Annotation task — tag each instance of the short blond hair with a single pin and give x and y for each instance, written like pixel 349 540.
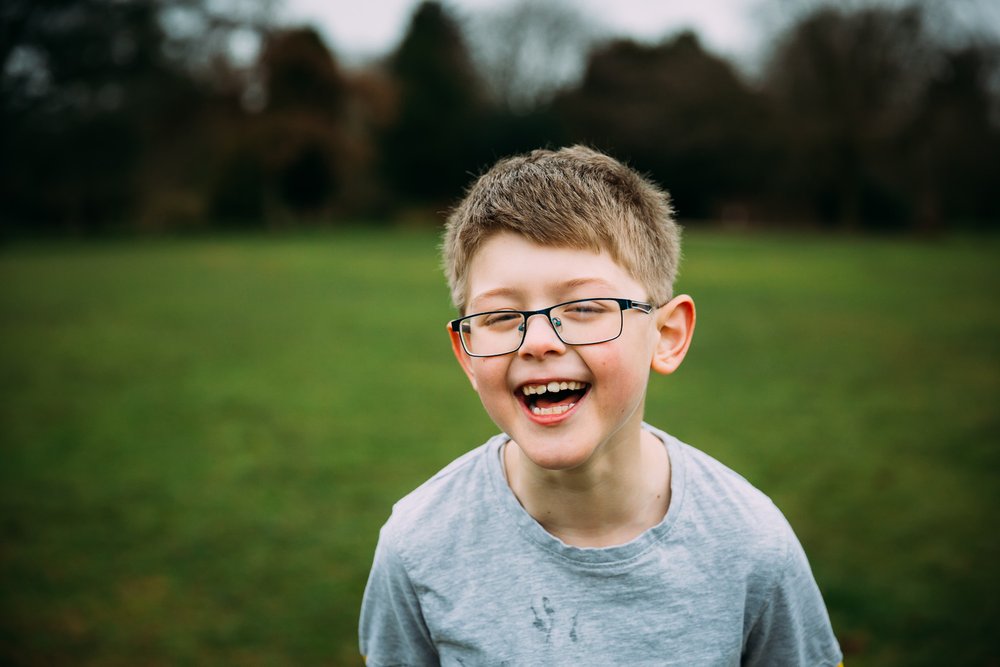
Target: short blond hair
pixel 575 197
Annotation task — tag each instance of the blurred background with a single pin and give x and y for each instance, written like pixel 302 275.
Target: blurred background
pixel 159 116
pixel 222 316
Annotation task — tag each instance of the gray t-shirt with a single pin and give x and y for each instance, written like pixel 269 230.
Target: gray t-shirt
pixel 464 576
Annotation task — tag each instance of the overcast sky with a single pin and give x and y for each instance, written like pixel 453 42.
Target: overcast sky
pixel 360 29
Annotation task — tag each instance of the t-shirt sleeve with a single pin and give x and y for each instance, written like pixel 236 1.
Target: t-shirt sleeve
pixel 793 627
pixel 392 629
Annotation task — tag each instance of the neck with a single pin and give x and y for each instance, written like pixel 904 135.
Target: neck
pixel 608 501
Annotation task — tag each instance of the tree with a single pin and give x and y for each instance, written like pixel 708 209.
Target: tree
pixel 305 153
pixel 675 111
pixel 953 154
pixel 886 122
pixel 434 143
pixel 526 51
pixel 299 72
pixel 90 92
pixel 844 86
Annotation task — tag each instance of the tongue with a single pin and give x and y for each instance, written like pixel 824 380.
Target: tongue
pixel 549 400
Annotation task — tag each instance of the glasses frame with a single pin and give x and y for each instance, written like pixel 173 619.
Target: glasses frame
pixel 623 305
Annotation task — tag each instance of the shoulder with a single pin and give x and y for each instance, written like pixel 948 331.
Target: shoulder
pixel 729 517
pixel 444 509
pixel 739 533
pixel 725 494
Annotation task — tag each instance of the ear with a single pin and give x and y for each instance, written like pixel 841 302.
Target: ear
pixel 464 360
pixel 675 321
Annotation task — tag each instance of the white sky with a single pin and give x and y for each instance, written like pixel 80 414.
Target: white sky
pixel 360 29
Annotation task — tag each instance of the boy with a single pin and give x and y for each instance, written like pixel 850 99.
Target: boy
pixel 581 535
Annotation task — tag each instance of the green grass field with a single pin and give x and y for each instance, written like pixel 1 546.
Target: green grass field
pixel 201 438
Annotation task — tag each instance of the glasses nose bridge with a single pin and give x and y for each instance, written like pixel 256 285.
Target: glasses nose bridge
pixel 546 313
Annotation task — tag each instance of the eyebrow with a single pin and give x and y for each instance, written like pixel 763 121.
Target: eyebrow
pixel 584 282
pixel 489 294
pixel 562 287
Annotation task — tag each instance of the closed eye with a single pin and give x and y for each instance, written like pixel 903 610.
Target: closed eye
pixel 584 310
pixel 499 320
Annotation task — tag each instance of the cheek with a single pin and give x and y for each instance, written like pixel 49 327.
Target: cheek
pixel 623 377
pixel 490 373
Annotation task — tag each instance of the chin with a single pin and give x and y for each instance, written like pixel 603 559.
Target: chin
pixel 554 456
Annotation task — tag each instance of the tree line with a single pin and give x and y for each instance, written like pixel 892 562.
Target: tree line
pixel 138 115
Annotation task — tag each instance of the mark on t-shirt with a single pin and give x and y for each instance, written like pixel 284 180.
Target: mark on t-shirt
pixel 545 620
pixel 544 625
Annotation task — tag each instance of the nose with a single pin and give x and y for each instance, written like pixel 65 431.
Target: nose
pixel 540 338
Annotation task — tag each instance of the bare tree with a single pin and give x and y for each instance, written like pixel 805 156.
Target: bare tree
pixel 528 50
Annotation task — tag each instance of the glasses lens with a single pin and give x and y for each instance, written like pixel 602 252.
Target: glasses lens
pixel 492 333
pixel 586 322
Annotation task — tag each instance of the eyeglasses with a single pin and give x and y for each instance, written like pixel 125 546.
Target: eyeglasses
pixel 579 322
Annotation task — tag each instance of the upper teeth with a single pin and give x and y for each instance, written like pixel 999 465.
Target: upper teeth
pixel 529 389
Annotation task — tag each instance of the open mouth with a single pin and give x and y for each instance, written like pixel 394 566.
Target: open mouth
pixel 552 398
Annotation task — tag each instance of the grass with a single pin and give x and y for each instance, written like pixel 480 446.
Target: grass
pixel 200 439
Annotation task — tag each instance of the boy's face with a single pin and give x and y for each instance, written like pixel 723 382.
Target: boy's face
pixel 605 410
